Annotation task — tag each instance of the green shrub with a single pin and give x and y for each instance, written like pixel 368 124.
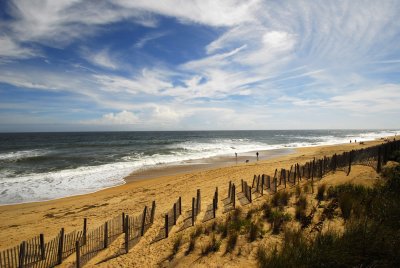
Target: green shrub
pixel 331 192
pixel 278 219
pixel 321 192
pixel 302 202
pixel 254 231
pixel 300 213
pixel 345 204
pixel 266 208
pixel 231 242
pixel 301 207
pixel 280 199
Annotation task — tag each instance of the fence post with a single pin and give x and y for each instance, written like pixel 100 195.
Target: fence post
pixel 295 174
pixel 166 225
pixel 242 185
pixel 143 220
pixel 250 194
pixel 234 194
pixel 262 184
pixel 180 205
pixel 78 254
pixel 276 186
pixel 84 230
pixel 193 208
pixel 350 156
pixel 106 234
pixel 174 210
pixel 198 202
pixel 254 179
pixel 126 234
pixel 284 177
pixel 22 254
pixel 214 206
pixel 153 210
pixel 60 246
pixel 229 189
pixel 42 248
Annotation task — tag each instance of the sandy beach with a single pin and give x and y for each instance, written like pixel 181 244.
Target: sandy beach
pixel 164 185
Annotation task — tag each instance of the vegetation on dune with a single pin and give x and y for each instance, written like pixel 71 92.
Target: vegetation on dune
pixel 280 199
pixel 321 192
pixel 371 236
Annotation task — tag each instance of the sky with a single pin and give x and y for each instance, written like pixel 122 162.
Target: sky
pixel 121 65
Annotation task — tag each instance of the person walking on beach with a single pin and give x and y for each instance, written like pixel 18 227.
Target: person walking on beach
pixel 257 156
pixel 236 157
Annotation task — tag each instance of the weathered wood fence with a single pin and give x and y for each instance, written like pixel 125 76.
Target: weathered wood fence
pixel 212 208
pixel 170 219
pixel 133 227
pixel 230 201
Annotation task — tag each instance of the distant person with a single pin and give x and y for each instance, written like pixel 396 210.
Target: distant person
pixel 355 141
pixel 257 156
pixel 236 157
pixel 350 141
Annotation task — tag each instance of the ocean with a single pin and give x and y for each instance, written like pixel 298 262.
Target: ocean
pixel 44 166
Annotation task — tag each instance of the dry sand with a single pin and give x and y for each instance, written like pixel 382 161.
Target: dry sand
pixel 23 221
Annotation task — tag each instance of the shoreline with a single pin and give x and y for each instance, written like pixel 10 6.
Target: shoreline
pixel 195 165
pixel 22 221
pixel 205 164
pixel 131 173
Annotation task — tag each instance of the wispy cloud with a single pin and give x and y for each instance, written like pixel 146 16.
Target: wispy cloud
pixel 149 37
pixel 100 58
pixel 10 49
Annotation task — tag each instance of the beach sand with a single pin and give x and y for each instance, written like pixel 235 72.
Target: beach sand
pixel 23 221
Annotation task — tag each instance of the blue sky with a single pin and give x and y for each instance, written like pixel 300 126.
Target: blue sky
pixel 198 65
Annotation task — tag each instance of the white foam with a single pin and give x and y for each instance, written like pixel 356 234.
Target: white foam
pixel 12 156
pixel 53 185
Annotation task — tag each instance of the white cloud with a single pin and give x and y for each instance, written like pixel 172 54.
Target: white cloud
pixel 149 37
pixel 123 117
pixel 148 81
pixel 209 12
pixel 278 40
pixel 382 98
pixel 101 58
pixel 9 49
pixel 58 23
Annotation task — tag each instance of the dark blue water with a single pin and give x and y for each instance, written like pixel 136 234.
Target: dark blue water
pixel 42 166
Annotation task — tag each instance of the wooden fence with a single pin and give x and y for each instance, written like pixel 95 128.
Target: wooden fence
pixel 212 208
pixel 101 237
pixel 230 201
pixel 170 219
